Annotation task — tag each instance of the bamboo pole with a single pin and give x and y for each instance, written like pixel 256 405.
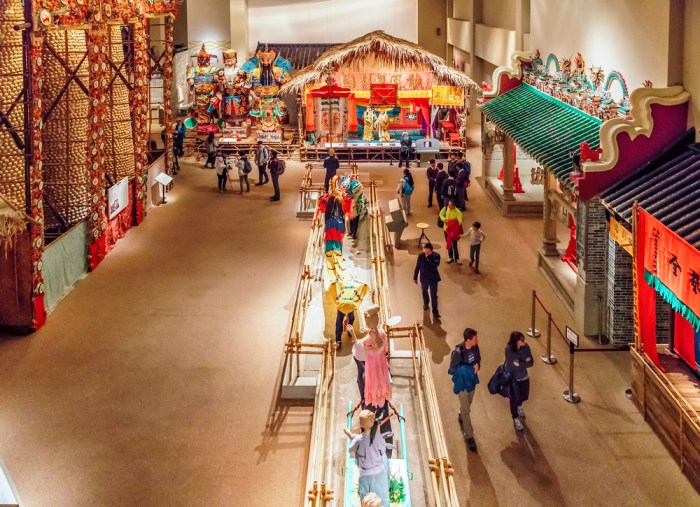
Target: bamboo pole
pixel 635 282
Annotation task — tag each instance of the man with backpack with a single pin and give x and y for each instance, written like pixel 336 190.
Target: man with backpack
pixel 449 188
pixel 262 157
pixel 405 153
pixel 465 363
pixel 277 168
pixel 244 169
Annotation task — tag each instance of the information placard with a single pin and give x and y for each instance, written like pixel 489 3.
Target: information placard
pixel 118 197
pixel 571 336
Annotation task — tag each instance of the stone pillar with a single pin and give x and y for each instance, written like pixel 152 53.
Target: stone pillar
pixel 549 241
pixel 508 168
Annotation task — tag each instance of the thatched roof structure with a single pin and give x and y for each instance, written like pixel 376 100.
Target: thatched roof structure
pixel 378 47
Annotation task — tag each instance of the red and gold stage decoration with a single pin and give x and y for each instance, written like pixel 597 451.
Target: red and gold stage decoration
pixel 394 90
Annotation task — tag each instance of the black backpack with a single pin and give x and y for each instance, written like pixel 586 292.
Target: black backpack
pixel 246 166
pixel 451 188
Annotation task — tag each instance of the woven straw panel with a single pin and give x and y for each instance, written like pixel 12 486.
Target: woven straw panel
pixel 11 157
pixel 119 137
pixel 65 130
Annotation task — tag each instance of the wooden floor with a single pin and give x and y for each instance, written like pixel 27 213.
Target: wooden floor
pixel 684 381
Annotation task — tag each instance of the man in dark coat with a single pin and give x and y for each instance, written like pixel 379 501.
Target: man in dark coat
pixel 331 165
pixel 439 180
pixel 431 173
pixel 427 266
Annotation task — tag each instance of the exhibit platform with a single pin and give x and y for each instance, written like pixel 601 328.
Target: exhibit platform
pixel 194 144
pixel 357 150
pixel 528 204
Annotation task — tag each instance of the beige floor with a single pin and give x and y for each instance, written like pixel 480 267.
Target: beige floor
pixel 153 382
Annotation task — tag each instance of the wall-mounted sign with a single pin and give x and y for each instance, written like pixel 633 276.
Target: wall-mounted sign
pixel 118 197
pixel 621 236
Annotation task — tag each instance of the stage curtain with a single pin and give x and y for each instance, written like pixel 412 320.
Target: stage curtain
pixel 309 113
pixel 352 113
pixel 384 94
pixel 646 295
pixel 685 340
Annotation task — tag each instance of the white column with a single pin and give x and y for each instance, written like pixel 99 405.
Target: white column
pixel 239 28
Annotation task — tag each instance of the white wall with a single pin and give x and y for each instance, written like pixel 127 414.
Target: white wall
pixel 209 21
pixel 624 35
pixel 691 60
pixel 301 21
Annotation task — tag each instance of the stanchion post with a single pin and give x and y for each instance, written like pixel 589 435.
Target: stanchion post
pixel 533 331
pixel 569 395
pixel 549 358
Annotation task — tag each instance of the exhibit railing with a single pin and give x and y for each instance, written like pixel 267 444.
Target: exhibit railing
pixel 443 488
pixel 321 473
pixel 294 347
pixel 444 491
pixel 308 194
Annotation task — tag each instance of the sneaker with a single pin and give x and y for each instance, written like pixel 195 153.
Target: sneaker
pixel 450 260
pixel 337 345
pixel 425 307
pixel 436 315
pixel 521 412
pixel 258 184
pixel 458 262
pixel 471 444
pixel 518 425
pixel 470 263
pixel 476 271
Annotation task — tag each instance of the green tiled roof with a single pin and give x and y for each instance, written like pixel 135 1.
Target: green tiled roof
pixel 543 126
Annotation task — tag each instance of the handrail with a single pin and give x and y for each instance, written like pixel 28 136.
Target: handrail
pixel 670 389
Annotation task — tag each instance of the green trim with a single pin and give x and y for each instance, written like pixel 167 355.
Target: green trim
pixel 544 127
pixel 677 305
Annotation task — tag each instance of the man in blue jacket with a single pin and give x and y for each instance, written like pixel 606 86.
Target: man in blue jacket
pixel 465 363
pixel 427 266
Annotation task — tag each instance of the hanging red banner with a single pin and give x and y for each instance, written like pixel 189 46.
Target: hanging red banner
pixel 672 260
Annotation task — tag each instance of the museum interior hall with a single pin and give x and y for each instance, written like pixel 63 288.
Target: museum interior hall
pixel 240 253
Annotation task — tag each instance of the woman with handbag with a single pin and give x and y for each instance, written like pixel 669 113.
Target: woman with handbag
pixel 451 218
pixel 518 360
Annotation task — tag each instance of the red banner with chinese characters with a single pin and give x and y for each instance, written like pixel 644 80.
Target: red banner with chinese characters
pixel 646 297
pixel 672 260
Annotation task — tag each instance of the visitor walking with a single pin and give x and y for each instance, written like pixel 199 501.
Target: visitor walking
pixel 331 164
pixel 244 169
pixel 518 360
pixel 211 146
pixel 439 182
pixel 277 167
pixel 405 151
pixel 221 172
pixel 427 267
pixel 431 173
pixel 405 190
pixel 262 157
pixel 451 218
pixel 465 363
pixel 476 237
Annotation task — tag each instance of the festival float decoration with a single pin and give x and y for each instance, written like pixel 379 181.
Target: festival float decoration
pixel 74 112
